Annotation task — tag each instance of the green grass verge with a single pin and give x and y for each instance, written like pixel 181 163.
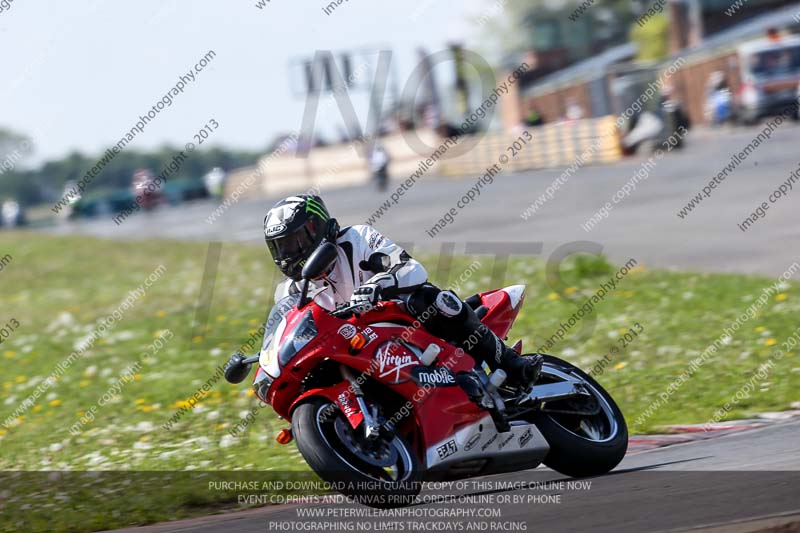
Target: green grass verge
pixel 59 288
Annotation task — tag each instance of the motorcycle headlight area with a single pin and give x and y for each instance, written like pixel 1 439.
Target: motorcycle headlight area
pixel 261 384
pixel 296 340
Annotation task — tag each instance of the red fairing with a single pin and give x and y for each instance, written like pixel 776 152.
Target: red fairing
pixel 502 314
pixel 343 396
pixel 436 406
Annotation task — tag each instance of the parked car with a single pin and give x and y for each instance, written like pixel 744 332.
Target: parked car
pixel 770 74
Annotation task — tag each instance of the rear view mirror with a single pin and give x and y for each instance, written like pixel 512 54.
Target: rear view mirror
pixel 322 258
pixel 316 265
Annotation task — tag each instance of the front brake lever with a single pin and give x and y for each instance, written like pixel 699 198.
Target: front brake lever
pixel 343 313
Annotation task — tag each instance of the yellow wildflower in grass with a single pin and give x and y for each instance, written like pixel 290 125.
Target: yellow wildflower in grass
pixel 252 322
pixel 179 404
pixel 553 296
pixel 8 354
pixel 144 438
pixel 781 297
pixel 197 339
pixel 161 314
pixel 760 329
pixel 771 342
pixel 137 377
pixel 55 403
pixel 20 379
pixel 3 432
pixel 221 318
pixel 147 408
pixel 620 366
pixel 570 290
pixel 7 385
pixel 250 393
pixel 84 383
pixel 140 401
pixel 36 408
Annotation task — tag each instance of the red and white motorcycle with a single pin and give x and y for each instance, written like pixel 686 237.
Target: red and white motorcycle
pixel 378 406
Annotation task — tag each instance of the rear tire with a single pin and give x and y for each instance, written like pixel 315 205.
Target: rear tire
pixel 318 446
pixel 575 455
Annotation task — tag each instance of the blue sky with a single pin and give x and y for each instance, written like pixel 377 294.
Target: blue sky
pixel 76 75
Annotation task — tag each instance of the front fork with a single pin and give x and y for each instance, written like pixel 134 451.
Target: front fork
pixel 371 427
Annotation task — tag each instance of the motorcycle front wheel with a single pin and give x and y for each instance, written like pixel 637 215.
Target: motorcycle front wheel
pixel 588 436
pixel 383 473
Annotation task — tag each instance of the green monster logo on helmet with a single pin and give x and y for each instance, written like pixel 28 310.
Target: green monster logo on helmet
pixel 316 208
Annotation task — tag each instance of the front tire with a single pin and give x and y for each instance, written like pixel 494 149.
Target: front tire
pixel 583 446
pixel 321 432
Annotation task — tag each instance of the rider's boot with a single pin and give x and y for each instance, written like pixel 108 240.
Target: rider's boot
pixel 484 345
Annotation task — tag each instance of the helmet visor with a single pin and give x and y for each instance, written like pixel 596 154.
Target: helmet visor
pixel 294 247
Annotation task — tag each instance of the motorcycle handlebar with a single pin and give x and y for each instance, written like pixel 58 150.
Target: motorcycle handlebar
pixel 252 359
pixel 345 312
pixel 350 310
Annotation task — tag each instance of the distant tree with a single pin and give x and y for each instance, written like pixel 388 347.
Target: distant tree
pixel 14 149
pixel 652 38
pixel 502 24
pixel 509 24
pixel 46 183
pixel 11 141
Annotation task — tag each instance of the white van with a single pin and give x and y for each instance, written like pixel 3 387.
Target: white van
pixel 770 74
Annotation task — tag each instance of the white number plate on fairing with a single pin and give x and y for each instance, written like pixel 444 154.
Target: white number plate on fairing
pixel 470 442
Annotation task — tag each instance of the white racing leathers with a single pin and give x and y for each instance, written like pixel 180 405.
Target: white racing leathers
pixel 363 253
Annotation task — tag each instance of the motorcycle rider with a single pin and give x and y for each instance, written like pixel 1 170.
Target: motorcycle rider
pixel 370 267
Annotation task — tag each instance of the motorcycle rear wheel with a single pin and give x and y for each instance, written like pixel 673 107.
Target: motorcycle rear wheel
pixel 351 471
pixel 581 445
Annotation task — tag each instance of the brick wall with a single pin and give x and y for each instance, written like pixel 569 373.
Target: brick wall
pixel 553 105
pixel 690 82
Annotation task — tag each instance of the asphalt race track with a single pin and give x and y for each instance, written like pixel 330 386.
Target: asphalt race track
pixel 744 481
pixel 643 225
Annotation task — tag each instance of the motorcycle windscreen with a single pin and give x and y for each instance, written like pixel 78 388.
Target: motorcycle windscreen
pixel 276 323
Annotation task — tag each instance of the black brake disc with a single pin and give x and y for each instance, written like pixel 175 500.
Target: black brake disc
pixel 379 452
